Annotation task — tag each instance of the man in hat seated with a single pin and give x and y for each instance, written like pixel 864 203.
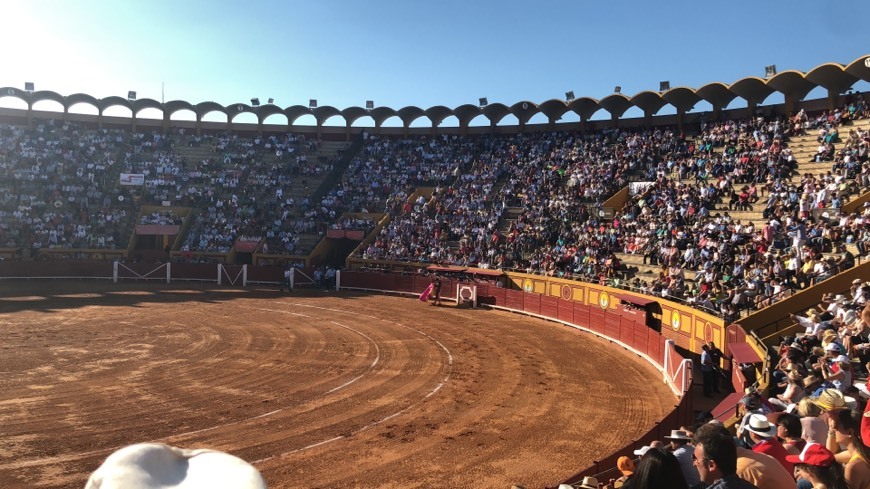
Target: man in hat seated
pixel 763 434
pixel 683 450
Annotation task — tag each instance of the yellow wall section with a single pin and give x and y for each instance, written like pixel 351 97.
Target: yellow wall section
pixel 691 324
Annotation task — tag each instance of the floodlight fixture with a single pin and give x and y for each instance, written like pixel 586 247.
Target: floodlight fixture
pixel 769 71
pixel 255 102
pixel 131 95
pixel 28 86
pixel 271 100
pixel 569 96
pixel 483 102
pixel 617 89
pixel 312 103
pixel 664 86
pixel 370 104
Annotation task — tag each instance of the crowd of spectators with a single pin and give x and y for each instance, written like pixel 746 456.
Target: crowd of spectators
pixel 716 261
pixel 811 430
pixel 354 224
pixel 64 192
pixel 681 222
pixel 62 186
pixel 58 190
pixel 248 191
pixel 552 176
pixel 163 218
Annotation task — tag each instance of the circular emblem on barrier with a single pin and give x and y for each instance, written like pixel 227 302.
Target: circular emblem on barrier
pixel 466 293
pixel 525 106
pixel 675 320
pixel 708 332
pixel 528 285
pixel 867 62
pixel 603 300
pixel 11 91
pixel 240 107
pixel 566 292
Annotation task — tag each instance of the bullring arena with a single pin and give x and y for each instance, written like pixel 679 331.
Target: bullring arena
pixel 316 389
pixel 600 278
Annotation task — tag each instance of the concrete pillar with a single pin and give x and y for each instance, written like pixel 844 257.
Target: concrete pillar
pixel 790 101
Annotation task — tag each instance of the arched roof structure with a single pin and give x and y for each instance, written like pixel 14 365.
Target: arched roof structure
pixel 794 85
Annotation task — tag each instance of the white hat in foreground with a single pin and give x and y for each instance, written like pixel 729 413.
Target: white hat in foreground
pixel 159 466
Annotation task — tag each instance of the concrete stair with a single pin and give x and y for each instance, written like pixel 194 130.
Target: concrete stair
pixel 508 217
pixel 330 149
pixel 646 272
pixel 636 267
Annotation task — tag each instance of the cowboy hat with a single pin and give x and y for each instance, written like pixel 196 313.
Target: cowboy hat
pixel 589 483
pixel 830 400
pixel 678 435
pixel 759 425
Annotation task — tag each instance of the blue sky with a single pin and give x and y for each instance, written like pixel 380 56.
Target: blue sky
pixel 409 52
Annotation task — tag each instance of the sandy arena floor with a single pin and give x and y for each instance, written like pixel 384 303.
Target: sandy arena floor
pixel 316 389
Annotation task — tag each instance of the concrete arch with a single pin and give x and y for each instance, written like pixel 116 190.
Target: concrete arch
pixel 381 114
pixel 585 107
pixel 615 104
pixel 14 93
pixel 107 102
pixel 48 95
pixel 351 114
pixel 234 110
pixel 793 85
pixel 682 98
pixel 82 98
pixel 649 102
pixel 295 112
pixel 205 108
pixel 752 89
pixel 860 68
pixel 524 111
pixel 554 109
pixel 832 77
pixel 265 111
pixel 273 119
pixel 466 113
pixel 410 114
pixel 495 112
pixel 322 114
pixel 437 114
pixel 717 94
pixel 44 104
pixel 365 121
pixel 148 103
pixel 170 108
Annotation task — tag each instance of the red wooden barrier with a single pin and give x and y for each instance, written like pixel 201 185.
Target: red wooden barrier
pixel 532 303
pixel 549 307
pixel 565 311
pixel 514 299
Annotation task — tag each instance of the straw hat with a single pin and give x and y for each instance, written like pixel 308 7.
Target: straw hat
pixel 830 400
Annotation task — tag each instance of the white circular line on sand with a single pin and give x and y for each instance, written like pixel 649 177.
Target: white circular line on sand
pixel 386 418
pixel 66 458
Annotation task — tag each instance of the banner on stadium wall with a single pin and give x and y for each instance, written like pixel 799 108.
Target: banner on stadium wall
pixel 635 188
pixel 137 179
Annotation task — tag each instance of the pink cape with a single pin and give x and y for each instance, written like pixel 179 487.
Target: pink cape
pixel 426 293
